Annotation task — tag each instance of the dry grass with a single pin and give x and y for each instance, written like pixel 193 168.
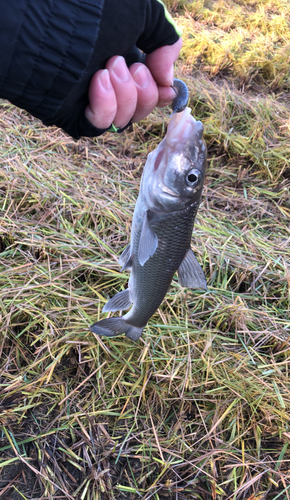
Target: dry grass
pixel 199 408
pixel 249 41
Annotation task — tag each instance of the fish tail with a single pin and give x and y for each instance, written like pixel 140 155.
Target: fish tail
pixel 111 327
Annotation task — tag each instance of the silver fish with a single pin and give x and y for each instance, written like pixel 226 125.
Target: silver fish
pixel 163 219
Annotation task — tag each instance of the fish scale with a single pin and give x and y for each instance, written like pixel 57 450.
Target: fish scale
pixel 172 247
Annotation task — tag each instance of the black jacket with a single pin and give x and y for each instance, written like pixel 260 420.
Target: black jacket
pixel 50 49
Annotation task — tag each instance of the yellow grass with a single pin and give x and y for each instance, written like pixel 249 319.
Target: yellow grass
pixel 199 408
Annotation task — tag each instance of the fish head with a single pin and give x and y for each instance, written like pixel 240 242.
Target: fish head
pixel 175 171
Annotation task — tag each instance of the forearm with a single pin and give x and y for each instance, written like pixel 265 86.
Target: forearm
pixel 49 52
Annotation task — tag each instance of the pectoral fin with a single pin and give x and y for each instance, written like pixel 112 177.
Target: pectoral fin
pixel 125 259
pixel 190 274
pixel 121 301
pixel 148 242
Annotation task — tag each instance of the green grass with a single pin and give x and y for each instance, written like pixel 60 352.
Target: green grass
pixel 199 408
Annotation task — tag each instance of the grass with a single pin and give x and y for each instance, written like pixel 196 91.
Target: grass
pixel 199 408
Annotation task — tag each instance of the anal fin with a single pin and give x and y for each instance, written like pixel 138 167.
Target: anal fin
pixel 190 273
pixel 121 301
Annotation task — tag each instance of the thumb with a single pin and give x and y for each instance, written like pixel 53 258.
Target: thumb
pixel 161 61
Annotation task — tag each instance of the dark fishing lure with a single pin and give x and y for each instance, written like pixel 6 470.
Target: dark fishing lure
pixel 179 103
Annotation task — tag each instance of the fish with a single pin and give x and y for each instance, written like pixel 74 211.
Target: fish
pixel 169 197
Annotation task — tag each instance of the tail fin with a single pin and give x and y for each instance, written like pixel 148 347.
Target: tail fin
pixel 111 327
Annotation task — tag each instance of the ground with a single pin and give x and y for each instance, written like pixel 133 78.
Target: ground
pixel 199 407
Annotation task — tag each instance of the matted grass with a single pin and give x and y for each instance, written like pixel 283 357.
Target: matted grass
pixel 199 408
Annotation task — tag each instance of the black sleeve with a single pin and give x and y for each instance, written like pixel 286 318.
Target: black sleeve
pixel 50 50
pixel 159 28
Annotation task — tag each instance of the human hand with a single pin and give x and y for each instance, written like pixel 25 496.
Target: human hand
pixel 119 94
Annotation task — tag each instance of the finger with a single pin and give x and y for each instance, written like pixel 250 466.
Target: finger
pixel 161 61
pixel 125 90
pixel 166 96
pixel 147 91
pixel 102 106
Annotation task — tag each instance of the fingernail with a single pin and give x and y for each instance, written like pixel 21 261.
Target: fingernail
pixel 173 94
pixel 120 69
pixel 141 76
pixel 105 80
pixel 171 75
pixel 169 101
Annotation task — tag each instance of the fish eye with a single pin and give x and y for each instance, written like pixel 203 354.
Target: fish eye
pixel 193 177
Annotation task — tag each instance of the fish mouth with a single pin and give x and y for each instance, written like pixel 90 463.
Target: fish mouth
pixel 177 127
